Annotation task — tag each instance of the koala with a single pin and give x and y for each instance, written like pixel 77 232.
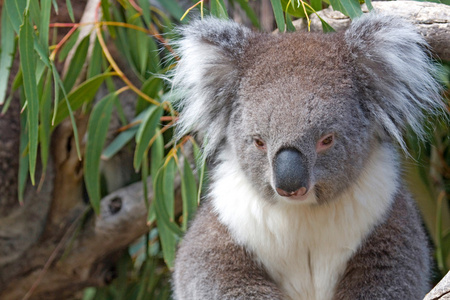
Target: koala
pixel 304 136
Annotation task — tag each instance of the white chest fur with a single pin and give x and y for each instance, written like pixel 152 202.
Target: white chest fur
pixel 305 248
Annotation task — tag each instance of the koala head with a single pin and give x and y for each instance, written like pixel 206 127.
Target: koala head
pixel 302 112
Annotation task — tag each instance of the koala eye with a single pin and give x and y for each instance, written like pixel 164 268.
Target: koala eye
pixel 325 142
pixel 259 143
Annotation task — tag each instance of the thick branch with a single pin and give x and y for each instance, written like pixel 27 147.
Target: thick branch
pixel 441 290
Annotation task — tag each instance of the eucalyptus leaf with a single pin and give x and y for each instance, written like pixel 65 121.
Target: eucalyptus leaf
pixel 352 7
pixel 85 92
pixel 96 137
pixel 76 63
pixel 28 67
pixel 279 15
pixel 145 134
pixel 8 46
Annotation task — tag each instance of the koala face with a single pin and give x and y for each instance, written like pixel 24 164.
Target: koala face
pixel 299 131
pixel 302 112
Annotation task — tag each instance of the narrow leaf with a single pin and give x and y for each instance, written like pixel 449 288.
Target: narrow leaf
pixel 370 6
pixel 316 4
pixel 249 12
pixel 122 139
pixel 145 134
pixel 289 25
pixel 336 4
pixel 157 160
pixel 45 115
pixel 68 106
pixel 326 27
pixel 34 12
pixel 84 93
pixel 28 66
pixel 168 230
pixel 150 87
pixel 76 63
pixel 70 10
pixel 95 68
pixel 96 137
pixel 23 158
pixel 279 15
pixel 173 8
pixel 188 193
pixel 8 46
pixel 352 7
pixel 46 6
pixel 218 9
pixel 14 10
pixel 68 46
pixel 145 5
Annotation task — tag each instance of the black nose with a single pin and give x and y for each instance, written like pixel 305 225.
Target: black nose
pixel 290 173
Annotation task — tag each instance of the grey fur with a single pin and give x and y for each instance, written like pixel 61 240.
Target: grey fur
pixel 365 86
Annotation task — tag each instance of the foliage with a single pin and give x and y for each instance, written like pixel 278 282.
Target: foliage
pixel 141 33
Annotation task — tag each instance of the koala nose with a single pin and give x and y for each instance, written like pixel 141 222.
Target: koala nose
pixel 290 174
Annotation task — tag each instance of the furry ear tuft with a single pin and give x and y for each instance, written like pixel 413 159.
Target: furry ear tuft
pixel 396 72
pixel 207 77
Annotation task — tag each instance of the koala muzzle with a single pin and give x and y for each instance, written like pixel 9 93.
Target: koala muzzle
pixel 290 173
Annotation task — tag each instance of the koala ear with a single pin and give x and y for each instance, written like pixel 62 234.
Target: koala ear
pixel 206 77
pixel 396 72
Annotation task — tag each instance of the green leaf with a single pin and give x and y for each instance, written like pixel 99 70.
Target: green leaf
pixel 173 7
pixel 28 66
pixel 85 92
pixel 326 27
pixel 137 41
pixel 168 230
pixel 295 8
pixel 8 46
pixel 144 176
pixel 70 10
pixel 68 46
pixel 279 15
pixel 145 5
pixel 289 25
pixel 76 63
pixel 316 4
pixel 150 87
pixel 94 69
pixel 188 193
pixel 14 10
pixel 218 9
pixel 46 7
pixel 34 12
pixel 59 83
pixel 200 162
pixel 23 158
pixel 157 160
pixel 153 65
pixel 122 139
pixel 157 154
pixel 249 12
pixel 352 7
pixel 336 4
pixel 370 6
pixel 119 142
pixel 45 105
pixel 145 134
pixel 96 137
pixel 55 6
